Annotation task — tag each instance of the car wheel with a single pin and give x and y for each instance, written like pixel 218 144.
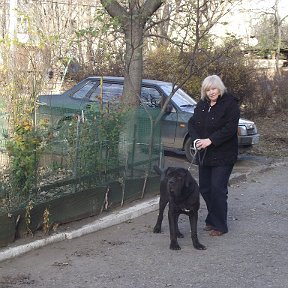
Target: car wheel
pixel 189 150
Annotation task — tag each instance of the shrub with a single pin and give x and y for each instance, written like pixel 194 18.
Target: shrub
pixel 24 149
pixel 169 65
pixel 237 72
pixel 94 139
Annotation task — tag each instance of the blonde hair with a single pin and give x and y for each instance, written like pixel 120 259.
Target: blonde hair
pixel 212 81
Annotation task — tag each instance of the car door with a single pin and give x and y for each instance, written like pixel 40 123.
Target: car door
pixel 168 127
pixel 153 99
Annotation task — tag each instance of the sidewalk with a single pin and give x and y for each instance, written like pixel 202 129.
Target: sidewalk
pixel 128 254
pixel 240 173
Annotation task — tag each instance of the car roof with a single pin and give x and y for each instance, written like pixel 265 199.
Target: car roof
pixel 121 79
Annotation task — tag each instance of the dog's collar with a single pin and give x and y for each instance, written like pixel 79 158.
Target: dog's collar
pixel 186 210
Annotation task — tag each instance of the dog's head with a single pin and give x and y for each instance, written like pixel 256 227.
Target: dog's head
pixel 179 180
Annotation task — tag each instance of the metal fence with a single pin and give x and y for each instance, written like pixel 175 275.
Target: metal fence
pixel 3 135
pixel 81 152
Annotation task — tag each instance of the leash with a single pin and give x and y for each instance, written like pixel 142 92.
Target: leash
pixel 200 158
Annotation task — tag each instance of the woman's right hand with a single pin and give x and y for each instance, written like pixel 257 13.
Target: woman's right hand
pixel 202 143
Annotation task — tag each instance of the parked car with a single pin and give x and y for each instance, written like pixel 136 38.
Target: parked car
pixel 174 130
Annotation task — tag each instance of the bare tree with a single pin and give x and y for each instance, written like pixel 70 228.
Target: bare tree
pixel 189 26
pixel 272 15
pixel 132 19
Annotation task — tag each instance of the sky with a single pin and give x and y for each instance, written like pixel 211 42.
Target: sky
pixel 283 7
pixel 244 16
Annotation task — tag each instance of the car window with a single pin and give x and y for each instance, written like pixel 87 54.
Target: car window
pixel 150 97
pixel 113 91
pixel 84 90
pixel 110 92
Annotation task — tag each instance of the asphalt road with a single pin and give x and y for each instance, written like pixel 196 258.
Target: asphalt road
pixel 253 253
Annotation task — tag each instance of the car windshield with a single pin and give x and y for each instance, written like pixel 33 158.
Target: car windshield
pixel 180 98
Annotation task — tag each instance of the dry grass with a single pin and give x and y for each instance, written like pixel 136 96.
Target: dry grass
pixel 273 129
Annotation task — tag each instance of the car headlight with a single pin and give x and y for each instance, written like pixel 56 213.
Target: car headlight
pixel 251 129
pixel 247 129
pixel 242 131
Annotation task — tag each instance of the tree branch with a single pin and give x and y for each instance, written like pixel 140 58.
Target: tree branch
pixel 149 7
pixel 114 9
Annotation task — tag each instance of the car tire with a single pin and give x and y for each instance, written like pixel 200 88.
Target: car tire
pixel 189 150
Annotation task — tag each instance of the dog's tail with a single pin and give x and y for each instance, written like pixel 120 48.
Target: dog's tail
pixel 157 169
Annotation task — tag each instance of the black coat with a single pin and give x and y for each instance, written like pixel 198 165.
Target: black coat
pixel 219 123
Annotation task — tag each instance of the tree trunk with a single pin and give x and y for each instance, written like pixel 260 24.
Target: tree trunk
pixel 133 61
pixel 132 19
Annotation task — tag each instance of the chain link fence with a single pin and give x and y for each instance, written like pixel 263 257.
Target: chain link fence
pixel 78 153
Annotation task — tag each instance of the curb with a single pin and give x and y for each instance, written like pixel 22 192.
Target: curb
pixel 99 224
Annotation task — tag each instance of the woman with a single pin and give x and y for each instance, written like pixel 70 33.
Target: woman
pixel 213 129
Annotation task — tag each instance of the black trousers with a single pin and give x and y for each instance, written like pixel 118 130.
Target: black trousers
pixel 213 185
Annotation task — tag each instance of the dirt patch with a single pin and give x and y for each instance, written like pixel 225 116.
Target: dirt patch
pixel 273 134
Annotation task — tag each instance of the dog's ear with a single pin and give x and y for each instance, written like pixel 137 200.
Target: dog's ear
pixel 188 179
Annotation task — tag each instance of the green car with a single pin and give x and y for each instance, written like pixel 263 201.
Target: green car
pixel 174 122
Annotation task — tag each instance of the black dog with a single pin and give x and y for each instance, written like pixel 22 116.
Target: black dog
pixel 179 188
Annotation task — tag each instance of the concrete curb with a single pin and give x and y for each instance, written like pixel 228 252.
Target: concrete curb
pixel 107 221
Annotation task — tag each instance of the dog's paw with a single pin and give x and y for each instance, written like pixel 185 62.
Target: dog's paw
pixel 174 246
pixel 157 229
pixel 199 247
